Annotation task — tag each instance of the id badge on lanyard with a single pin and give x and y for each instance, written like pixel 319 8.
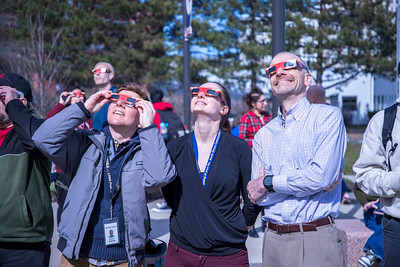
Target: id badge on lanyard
pixel 111 231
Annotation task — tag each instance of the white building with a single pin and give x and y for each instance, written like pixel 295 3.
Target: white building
pixel 361 95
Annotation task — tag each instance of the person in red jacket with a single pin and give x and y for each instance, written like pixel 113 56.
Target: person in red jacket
pixel 68 98
pixel 169 125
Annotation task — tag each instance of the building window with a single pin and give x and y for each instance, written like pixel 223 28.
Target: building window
pixel 349 103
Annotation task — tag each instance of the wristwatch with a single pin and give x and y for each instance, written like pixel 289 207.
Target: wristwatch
pixel 267 182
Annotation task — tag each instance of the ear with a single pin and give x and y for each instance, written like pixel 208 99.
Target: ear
pixel 111 76
pixel 224 110
pixel 308 79
pixel 24 101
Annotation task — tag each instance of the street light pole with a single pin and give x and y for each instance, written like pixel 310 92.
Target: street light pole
pixel 278 38
pixel 186 66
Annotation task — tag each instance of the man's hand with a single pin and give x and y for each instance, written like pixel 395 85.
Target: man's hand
pixel 336 183
pixel 146 113
pixel 255 188
pixel 97 100
pixel 8 93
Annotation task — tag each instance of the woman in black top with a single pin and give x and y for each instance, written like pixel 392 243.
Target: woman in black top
pixel 207 225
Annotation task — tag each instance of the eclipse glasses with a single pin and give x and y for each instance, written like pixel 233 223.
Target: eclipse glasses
pixel 207 92
pixel 100 70
pixel 286 65
pixel 128 100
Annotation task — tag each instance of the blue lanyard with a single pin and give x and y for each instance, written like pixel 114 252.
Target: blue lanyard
pixel 210 158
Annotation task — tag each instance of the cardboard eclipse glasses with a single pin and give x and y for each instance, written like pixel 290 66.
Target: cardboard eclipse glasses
pixel 128 100
pixel 207 92
pixel 286 65
pixel 101 70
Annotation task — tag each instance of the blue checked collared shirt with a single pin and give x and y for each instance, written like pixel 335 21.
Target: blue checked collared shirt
pixel 305 153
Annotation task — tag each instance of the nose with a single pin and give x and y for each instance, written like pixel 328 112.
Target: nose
pixel 280 71
pixel 120 103
pixel 201 94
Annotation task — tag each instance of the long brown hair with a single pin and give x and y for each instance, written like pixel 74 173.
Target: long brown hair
pixel 224 124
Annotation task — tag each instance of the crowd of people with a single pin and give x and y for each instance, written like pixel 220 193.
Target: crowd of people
pixel 109 150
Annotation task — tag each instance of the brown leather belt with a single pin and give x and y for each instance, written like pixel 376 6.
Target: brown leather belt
pixel 290 228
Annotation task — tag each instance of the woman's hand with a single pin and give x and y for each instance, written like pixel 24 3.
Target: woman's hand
pixel 65 98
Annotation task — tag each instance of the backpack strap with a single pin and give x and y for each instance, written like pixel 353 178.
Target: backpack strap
pixel 388 122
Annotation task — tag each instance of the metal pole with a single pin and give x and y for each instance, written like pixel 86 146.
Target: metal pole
pixel 398 52
pixel 278 38
pixel 186 71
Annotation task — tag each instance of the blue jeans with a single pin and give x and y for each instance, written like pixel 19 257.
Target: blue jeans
pixel 374 242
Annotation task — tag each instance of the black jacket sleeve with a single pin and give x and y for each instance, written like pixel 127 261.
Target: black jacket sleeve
pixel 25 125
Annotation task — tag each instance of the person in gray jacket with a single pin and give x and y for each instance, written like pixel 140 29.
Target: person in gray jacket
pixel 375 177
pixel 110 172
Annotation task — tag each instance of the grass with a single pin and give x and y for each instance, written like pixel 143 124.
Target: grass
pixel 352 154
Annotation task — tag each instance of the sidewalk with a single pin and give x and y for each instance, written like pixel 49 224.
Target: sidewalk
pixel 160 229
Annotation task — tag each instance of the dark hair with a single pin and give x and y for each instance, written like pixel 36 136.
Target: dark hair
pixel 224 124
pixel 79 88
pixel 253 96
pixel 156 96
pixel 134 87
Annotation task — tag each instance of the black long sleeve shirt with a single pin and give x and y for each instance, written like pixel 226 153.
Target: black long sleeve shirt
pixel 210 221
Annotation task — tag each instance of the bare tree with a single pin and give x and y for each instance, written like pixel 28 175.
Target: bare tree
pixel 40 60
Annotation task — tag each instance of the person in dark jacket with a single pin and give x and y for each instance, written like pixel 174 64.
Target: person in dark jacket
pixel 110 172
pixel 26 215
pixel 207 223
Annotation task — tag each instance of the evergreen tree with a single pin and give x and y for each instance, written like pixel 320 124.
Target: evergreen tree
pixel 230 40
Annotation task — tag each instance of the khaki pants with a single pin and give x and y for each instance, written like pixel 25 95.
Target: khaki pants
pixel 82 262
pixel 304 249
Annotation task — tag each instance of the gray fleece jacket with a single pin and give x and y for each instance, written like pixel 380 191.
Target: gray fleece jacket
pixel 372 174
pixel 80 154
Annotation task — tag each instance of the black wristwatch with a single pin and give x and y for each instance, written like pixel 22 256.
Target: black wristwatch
pixel 268 183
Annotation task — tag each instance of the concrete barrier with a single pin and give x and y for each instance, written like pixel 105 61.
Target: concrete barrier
pixel 354 234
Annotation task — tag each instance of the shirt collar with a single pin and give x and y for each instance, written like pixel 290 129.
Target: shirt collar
pixel 297 111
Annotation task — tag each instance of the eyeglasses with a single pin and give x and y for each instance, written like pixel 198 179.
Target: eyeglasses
pixel 101 70
pixel 128 101
pixel 77 94
pixel 207 92
pixel 286 65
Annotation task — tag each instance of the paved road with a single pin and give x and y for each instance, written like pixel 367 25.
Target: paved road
pixel 160 229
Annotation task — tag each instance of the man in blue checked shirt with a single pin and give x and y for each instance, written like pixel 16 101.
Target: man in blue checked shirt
pixel 297 158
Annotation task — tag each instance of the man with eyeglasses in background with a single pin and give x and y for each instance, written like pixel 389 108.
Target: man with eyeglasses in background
pixel 103 74
pixel 296 159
